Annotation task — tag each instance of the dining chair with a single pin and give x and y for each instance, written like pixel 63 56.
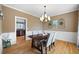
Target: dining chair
pixel 53 41
pixel 45 43
pixel 34 33
pixel 50 41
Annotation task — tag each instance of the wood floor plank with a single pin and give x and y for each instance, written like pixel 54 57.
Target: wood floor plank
pixel 24 47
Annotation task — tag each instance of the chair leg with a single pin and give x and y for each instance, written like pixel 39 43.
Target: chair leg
pixel 53 43
pixel 32 43
pixel 41 49
pixel 49 47
pixel 46 50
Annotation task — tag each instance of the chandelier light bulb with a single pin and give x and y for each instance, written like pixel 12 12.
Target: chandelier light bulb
pixel 41 19
pixel 46 15
pixel 45 20
pixel 42 16
pixel 49 18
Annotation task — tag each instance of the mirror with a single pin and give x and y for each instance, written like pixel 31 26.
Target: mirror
pixel 57 23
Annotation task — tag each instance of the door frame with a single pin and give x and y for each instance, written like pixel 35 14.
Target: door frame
pixel 25 24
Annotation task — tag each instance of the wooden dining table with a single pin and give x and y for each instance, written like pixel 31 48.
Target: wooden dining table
pixel 38 37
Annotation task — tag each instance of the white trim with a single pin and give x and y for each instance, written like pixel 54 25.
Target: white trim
pixel 20 18
pixel 27 12
pixel 60 35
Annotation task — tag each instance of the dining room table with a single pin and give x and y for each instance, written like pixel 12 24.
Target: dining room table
pixel 38 37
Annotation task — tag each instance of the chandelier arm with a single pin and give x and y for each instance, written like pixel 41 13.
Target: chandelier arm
pixel 44 16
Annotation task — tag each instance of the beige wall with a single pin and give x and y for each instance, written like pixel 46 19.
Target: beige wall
pixel 78 22
pixel 0 24
pixel 0 21
pixel 9 20
pixel 34 23
pixel 70 22
pixel 0 7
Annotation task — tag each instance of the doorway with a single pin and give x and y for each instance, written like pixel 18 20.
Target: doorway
pixel 21 29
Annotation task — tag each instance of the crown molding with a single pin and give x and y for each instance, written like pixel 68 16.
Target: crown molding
pixel 27 12
pixel 17 9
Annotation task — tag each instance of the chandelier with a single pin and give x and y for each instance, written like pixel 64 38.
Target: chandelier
pixel 44 17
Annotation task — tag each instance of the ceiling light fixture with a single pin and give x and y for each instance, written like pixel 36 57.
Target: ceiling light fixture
pixel 44 17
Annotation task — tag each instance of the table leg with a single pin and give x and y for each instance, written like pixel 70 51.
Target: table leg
pixel 32 43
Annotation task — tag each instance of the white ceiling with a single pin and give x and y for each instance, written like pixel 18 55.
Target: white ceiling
pixel 52 9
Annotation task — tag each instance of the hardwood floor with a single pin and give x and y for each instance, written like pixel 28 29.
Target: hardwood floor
pixel 24 47
pixel 62 47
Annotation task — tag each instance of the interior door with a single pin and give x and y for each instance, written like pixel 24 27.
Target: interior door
pixel 21 27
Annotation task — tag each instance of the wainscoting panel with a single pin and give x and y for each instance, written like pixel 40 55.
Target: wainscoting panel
pixel 59 35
